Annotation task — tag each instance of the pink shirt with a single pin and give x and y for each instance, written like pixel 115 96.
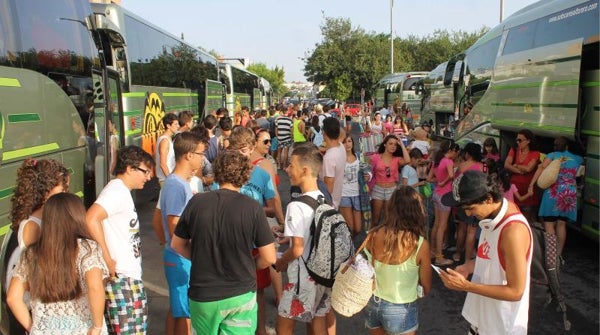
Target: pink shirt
pixel 441 173
pixel 510 194
pixel 381 170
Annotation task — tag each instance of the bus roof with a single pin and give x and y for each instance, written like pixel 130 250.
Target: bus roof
pixel 526 14
pixel 108 8
pixel 400 76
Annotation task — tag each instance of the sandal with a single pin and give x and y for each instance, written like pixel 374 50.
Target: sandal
pixel 441 261
pixel 456 257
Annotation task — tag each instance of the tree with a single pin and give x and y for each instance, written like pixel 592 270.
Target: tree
pixel 349 59
pixel 274 76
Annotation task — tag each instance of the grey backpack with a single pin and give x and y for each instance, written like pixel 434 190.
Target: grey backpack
pixel 331 241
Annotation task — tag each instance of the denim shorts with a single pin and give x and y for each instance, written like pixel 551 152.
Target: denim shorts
pixel 393 318
pixel 353 202
pixel 437 203
pixel 382 193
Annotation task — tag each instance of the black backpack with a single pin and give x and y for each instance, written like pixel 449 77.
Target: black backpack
pixel 545 267
pixel 331 241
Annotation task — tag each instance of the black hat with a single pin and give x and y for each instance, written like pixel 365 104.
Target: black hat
pixel 468 187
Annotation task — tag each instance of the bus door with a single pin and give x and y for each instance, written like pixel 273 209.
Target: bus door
pixel 590 121
pixel 107 124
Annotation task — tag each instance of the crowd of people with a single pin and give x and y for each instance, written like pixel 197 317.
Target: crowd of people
pixel 221 220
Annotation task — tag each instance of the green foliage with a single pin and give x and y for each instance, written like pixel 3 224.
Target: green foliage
pixel 274 76
pixel 349 58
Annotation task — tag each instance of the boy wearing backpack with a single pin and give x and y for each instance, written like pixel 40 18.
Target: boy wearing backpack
pixel 303 299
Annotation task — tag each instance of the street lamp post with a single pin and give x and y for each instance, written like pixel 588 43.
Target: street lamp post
pixel 391 38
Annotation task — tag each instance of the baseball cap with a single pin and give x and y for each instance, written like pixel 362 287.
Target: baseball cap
pixel 466 188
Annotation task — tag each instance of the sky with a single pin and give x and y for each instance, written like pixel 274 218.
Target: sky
pixel 282 32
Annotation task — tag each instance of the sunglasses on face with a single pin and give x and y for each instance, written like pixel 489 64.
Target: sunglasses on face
pixel 519 140
pixel 266 141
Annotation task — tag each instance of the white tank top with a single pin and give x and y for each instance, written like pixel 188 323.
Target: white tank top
pixel 22 228
pixel 492 316
pixel 170 158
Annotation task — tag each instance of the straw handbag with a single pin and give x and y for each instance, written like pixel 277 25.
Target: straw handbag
pixel 352 289
pixel 550 174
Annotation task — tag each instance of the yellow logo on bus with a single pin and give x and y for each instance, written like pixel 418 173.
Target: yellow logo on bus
pixel 154 111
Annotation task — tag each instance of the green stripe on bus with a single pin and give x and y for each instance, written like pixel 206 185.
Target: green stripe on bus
pixel 7 192
pixel 133 132
pixel 4 229
pixel 590 180
pixel 135 95
pixel 591 84
pixel 590 204
pixel 531 125
pixel 10 82
pixel 170 108
pixel 131 113
pixel 25 152
pixel 590 229
pixel 537 84
pixel 592 156
pixel 180 94
pixel 591 132
pixel 25 117
pixel 523 104
pixel 558 60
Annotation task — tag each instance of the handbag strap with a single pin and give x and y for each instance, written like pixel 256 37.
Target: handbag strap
pixel 358 251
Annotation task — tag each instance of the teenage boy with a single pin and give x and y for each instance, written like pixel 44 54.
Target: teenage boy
pixel 334 160
pixel 217 231
pixel 165 156
pixel 498 294
pixel 175 194
pixel 113 222
pixel 312 301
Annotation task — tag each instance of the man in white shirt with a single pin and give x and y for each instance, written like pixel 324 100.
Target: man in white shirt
pixel 113 222
pixel 498 294
pixel 303 299
pixel 334 160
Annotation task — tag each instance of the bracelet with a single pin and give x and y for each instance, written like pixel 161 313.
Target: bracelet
pixel 98 328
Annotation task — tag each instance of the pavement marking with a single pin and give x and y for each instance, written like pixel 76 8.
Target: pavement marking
pixel 156 288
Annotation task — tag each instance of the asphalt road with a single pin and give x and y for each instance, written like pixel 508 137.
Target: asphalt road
pixel 439 312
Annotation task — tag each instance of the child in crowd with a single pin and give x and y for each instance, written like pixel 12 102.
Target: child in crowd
pixel 509 189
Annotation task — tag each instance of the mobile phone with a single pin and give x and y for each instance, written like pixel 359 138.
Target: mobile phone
pixel 437 269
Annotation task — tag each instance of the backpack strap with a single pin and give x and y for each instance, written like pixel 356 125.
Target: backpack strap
pixel 310 201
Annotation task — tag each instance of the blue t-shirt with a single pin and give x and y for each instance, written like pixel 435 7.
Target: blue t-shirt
pixel 259 187
pixel 410 174
pixel 174 196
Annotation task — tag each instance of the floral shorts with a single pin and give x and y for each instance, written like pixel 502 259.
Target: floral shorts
pixel 303 299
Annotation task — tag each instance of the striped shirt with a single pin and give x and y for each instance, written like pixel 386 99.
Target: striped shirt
pixel 284 128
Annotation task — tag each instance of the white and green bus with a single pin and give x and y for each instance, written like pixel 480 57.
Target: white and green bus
pixel 53 77
pixel 539 70
pixel 399 88
pixel 159 74
pixel 243 88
